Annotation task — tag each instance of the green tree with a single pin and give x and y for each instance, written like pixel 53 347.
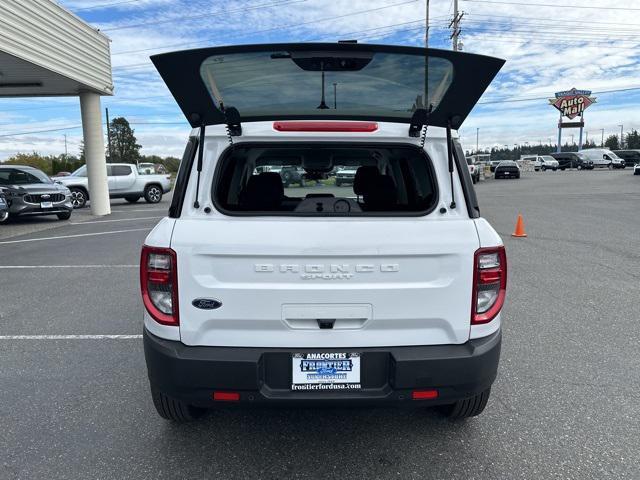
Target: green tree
pixel 633 139
pixel 612 142
pixel 123 145
pixel 33 160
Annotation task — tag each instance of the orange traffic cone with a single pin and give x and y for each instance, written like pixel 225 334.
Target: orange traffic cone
pixel 519 232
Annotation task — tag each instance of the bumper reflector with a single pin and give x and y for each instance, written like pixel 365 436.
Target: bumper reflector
pixel 226 396
pixel 424 394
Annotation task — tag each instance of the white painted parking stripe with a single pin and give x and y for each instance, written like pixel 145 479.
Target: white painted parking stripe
pixel 116 220
pixel 74 236
pixel 70 337
pixel 26 267
pixel 140 210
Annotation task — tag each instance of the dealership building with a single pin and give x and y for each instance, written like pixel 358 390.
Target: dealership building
pixel 46 51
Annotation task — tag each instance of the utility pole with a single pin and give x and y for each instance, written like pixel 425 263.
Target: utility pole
pixel 108 137
pixel 477 140
pixel 602 141
pixel 455 26
pixel 65 146
pixel 621 136
pixel 426 25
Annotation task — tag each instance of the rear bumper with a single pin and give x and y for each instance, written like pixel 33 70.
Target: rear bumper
pixel 388 375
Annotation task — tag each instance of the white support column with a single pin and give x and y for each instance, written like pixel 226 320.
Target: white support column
pixel 94 153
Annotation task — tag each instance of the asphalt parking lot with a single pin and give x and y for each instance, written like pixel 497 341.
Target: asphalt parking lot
pixel 74 399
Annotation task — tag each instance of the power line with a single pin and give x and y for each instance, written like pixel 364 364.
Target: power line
pixel 202 15
pixel 519 100
pixel 73 127
pixel 564 20
pixel 271 29
pixel 104 5
pixel 551 5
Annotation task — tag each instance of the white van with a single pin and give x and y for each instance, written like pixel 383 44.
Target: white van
pixel 603 158
pixel 541 162
pixel 387 291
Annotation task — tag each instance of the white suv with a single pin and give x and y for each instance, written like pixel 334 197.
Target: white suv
pixel 388 291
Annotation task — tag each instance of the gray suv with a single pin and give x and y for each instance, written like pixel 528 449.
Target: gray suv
pixel 29 191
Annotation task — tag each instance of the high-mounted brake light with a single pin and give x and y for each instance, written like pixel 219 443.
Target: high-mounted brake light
pixel 489 284
pixel 325 126
pixel 159 284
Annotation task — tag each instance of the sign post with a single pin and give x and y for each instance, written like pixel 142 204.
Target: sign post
pixel 571 104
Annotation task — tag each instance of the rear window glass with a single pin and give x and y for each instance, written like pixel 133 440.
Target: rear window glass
pixel 325 181
pixel 308 83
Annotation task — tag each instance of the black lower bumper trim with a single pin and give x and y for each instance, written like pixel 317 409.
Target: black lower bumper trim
pixel 388 374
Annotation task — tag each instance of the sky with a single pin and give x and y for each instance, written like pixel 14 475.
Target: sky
pixel 549 46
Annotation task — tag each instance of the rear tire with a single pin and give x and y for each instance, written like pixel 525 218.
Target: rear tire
pixel 174 410
pixel 152 194
pixel 64 216
pixel 132 199
pixel 544 168
pixel 4 216
pixel 469 407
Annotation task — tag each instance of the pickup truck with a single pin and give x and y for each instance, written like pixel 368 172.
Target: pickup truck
pixel 124 182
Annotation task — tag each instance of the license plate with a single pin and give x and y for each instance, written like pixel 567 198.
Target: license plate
pixel 325 371
pixel 507 173
pixel 46 204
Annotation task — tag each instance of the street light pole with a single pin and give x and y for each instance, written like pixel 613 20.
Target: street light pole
pixel 621 136
pixel 602 140
pixel 335 96
pixel 477 140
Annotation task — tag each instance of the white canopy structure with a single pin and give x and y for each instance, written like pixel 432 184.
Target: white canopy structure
pixel 46 50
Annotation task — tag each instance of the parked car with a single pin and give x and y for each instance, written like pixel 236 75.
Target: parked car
pixel 346 176
pixel 61 174
pixel 29 191
pixel 124 182
pixel 603 158
pixel 4 207
pixel 493 164
pixel 253 296
pixel 630 157
pixel 636 169
pixel 542 162
pixel 474 170
pixel 572 160
pixel 291 174
pixel 507 169
pixel 145 168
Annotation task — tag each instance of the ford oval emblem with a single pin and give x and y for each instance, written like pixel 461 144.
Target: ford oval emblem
pixel 206 303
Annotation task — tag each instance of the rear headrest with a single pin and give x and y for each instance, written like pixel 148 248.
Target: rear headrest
pixel 364 178
pixel 263 192
pixel 382 195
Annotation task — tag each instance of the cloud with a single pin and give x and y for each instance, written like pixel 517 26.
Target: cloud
pixel 547 49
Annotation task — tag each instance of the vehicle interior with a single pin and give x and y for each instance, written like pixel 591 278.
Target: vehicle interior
pixel 388 180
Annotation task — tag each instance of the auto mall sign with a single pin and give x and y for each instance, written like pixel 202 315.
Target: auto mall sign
pixel 572 103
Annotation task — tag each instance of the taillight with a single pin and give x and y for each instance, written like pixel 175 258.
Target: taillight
pixel 324 126
pixel 489 284
pixel 159 284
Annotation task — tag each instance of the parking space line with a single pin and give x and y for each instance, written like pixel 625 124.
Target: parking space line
pixel 115 220
pixel 26 267
pixel 141 210
pixel 70 337
pixel 74 236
